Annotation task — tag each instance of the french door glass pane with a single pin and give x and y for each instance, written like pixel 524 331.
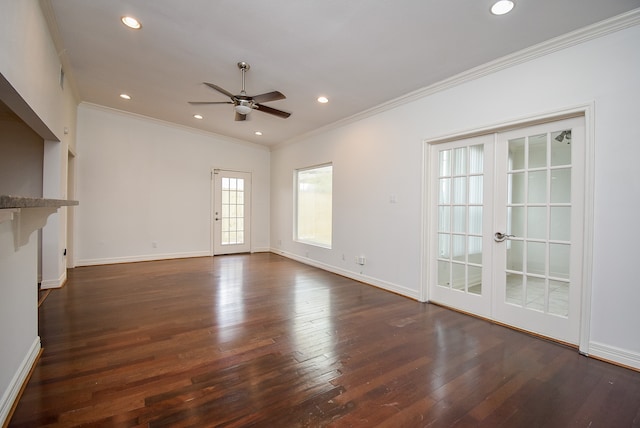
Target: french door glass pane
pixel 444 273
pixel 561 148
pixel 513 293
pixel 460 190
pixel 561 185
pixel 475 220
pixel 516 154
pixel 538 151
pixel 444 158
pixel 537 187
pixel 458 248
pixel 559 260
pixel 474 249
pixel 515 255
pixel 458 279
pixel 475 189
pixel 460 161
pixel 444 194
pixel 476 159
pixel 444 219
pixel 559 298
pixel 560 223
pixel 474 277
pixel 535 293
pixel 537 222
pixel 515 221
pixel 516 188
pixel 459 221
pixel 536 257
pixel 443 245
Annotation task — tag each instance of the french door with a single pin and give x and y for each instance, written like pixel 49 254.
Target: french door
pixel 462 189
pixel 508 210
pixel 231 212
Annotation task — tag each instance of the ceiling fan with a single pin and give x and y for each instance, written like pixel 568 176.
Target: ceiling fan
pixel 244 104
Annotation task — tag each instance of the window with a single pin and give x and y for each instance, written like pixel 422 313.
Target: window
pixel 314 205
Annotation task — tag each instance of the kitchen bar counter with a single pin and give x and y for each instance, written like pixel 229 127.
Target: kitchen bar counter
pixel 8 201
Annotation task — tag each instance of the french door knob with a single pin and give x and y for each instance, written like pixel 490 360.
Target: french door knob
pixel 499 236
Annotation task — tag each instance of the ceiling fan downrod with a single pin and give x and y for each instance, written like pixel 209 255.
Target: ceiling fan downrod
pixel 244 67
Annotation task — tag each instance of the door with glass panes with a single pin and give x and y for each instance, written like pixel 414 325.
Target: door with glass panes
pixel 462 188
pixel 231 212
pixel 508 210
pixel 538 230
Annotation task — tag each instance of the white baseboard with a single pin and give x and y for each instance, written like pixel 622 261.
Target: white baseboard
pixel 142 258
pixel 54 283
pixel 10 395
pixel 385 285
pixel 614 354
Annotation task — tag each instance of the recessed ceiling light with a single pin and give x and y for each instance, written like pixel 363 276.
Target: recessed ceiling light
pixel 258 133
pixel 198 116
pixel 125 96
pixel 131 22
pixel 323 100
pixel 502 6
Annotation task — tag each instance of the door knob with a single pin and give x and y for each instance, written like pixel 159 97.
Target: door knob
pixel 499 236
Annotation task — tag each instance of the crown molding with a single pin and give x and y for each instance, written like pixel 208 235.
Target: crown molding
pixel 594 31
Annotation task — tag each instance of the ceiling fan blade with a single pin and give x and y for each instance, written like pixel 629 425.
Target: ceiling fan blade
pixel 269 96
pixel 240 117
pixel 196 103
pixel 273 111
pixel 219 89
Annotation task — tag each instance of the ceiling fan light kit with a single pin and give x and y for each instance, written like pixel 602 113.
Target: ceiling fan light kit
pixel 244 107
pixel 244 104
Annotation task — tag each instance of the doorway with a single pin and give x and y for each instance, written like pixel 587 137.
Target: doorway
pixel 507 229
pixel 231 212
pixel 71 194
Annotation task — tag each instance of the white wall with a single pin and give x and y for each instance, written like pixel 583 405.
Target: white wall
pixel 142 181
pixel 29 65
pixel 381 156
pixel 21 152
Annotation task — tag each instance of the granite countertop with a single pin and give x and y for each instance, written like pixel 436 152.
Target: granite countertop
pixel 8 201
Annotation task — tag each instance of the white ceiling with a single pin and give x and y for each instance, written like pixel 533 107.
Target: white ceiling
pixel 358 53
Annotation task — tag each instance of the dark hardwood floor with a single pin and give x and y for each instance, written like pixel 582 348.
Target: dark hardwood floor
pixel 260 340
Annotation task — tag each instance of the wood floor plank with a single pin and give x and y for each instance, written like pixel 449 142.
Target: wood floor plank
pixel 261 340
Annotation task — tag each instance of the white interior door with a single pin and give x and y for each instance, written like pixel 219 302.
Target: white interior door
pixel 231 212
pixel 506 232
pixel 462 183
pixel 539 210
